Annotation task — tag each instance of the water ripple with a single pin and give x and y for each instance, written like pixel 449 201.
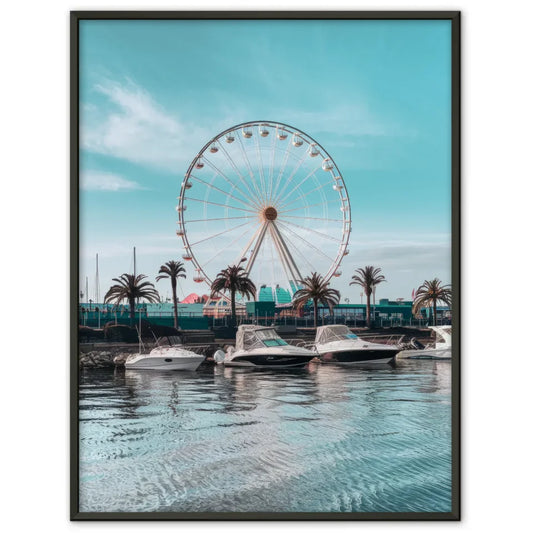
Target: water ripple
pixel 319 439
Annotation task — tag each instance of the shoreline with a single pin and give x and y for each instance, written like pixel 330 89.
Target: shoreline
pixel 113 354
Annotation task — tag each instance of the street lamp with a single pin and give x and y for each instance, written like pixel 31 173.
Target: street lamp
pixel 374 302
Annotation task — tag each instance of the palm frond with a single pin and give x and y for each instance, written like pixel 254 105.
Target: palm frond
pixel 233 279
pixel 172 269
pixel 315 287
pixel 431 292
pixel 129 287
pixel 368 277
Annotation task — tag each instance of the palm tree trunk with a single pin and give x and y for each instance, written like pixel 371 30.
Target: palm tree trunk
pixel 233 310
pixel 175 302
pixel 434 312
pixel 315 311
pixel 368 321
pixel 132 312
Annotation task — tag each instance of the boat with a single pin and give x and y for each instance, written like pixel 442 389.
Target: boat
pixel 440 349
pixel 170 356
pixel 262 347
pixel 338 344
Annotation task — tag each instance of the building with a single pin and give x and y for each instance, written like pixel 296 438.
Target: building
pixel 264 311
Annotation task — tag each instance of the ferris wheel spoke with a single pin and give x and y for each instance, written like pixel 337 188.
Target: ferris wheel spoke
pixel 291 176
pixel 314 231
pixel 283 211
pixel 315 218
pixel 221 218
pixel 271 167
pixel 211 186
pixel 261 170
pixel 221 205
pixel 218 234
pixel 301 197
pixel 223 249
pixel 220 173
pixel 297 188
pixel 311 245
pixel 294 188
pixel 249 166
pixel 281 171
pixel 241 177
pixel 305 207
pixel 229 181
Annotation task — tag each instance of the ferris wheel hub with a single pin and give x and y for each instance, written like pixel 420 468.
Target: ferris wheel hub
pixel 270 213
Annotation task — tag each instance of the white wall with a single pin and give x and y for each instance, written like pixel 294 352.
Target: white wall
pixel 497 176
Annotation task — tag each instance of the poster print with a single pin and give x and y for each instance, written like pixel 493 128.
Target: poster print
pixel 265 265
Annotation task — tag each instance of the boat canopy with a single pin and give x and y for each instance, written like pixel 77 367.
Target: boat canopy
pixel 325 334
pixel 250 337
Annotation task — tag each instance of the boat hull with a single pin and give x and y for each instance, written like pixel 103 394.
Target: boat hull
pixel 269 360
pixel 164 363
pixel 354 357
pixel 432 353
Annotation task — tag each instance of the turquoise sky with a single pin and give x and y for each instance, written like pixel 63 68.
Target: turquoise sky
pixel 375 94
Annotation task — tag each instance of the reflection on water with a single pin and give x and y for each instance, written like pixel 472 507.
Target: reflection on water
pixel 321 438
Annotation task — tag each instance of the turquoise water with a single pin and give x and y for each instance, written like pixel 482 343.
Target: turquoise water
pixel 324 438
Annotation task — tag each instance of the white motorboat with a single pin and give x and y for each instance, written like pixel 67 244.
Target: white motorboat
pixel 171 356
pixel 337 344
pixel 262 347
pixel 440 349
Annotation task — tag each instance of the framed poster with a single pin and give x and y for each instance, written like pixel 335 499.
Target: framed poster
pixel 265 265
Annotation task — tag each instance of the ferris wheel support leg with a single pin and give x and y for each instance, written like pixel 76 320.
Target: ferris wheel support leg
pixel 256 248
pixel 284 262
pixel 248 245
pixel 284 250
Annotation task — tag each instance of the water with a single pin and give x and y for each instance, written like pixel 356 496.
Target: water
pixel 324 438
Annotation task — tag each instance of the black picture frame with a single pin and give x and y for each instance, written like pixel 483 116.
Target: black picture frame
pixel 455 18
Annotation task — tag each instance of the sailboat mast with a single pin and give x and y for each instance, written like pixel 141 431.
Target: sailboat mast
pixel 97 292
pixel 138 310
pixel 97 283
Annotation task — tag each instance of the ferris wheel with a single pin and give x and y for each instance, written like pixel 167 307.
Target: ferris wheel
pixel 269 197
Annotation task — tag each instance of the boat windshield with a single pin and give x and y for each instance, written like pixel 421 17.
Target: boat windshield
pixel 172 340
pixel 251 338
pixel 270 337
pixel 327 334
pixel 443 335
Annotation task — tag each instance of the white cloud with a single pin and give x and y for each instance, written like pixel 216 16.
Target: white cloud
pixel 406 260
pixel 343 120
pixel 132 126
pixel 106 181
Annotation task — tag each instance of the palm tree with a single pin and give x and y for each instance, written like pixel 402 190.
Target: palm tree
pixel 235 280
pixel 429 293
pixel 368 277
pixel 316 288
pixel 130 287
pixel 173 270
